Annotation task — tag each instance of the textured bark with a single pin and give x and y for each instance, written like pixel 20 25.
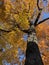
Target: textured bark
pixel 33 56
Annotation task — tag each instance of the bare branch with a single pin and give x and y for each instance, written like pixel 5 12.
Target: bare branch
pixel 37 19
pixel 40 9
pixel 38 5
pixel 43 21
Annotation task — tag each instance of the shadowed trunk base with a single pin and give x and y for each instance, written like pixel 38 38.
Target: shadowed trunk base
pixel 33 54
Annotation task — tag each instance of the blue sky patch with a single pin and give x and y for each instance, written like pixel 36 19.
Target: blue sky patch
pixel 45 15
pixel 45 3
pixel 25 37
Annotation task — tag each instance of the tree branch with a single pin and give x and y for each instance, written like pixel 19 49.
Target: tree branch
pixel 25 31
pixel 40 9
pixel 43 21
pixel 35 24
pixel 4 30
pixel 38 5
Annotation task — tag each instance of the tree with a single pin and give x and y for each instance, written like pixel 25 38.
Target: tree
pixel 17 21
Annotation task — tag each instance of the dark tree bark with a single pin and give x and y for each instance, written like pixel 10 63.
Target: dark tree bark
pixel 33 56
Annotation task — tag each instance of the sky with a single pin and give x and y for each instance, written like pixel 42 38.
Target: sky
pixel 45 15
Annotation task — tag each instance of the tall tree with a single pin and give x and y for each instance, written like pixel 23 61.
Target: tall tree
pixel 18 19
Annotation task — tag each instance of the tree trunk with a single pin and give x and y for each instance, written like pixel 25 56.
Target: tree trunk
pixel 33 56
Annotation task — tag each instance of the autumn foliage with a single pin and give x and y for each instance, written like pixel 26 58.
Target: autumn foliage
pixel 20 12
